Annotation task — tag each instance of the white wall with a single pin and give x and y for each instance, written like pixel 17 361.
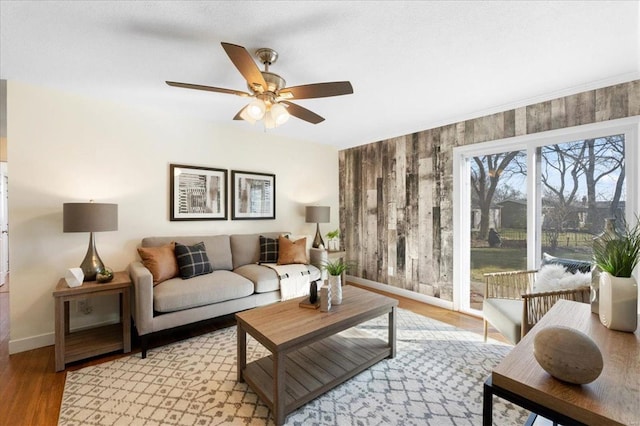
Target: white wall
pixel 64 148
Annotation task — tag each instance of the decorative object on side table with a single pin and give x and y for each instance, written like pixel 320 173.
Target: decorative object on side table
pixel 568 354
pixel 333 240
pixel 617 254
pixel 317 215
pixel 104 276
pixel 90 217
pixel 74 277
pixel 335 270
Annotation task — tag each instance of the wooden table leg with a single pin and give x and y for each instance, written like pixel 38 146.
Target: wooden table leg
pixel 125 307
pixel 279 385
pixel 242 352
pixel 392 331
pixel 61 327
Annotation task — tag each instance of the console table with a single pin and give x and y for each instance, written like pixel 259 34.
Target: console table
pixel 612 399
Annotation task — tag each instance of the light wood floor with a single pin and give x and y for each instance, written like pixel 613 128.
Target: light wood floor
pixel 31 390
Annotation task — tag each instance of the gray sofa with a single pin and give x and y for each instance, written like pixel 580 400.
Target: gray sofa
pixel 237 283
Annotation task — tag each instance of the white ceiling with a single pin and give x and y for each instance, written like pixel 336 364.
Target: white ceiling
pixel 413 65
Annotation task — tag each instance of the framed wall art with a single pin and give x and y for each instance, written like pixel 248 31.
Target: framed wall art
pixel 253 195
pixel 197 193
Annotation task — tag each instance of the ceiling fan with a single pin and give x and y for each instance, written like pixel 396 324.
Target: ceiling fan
pixel 271 99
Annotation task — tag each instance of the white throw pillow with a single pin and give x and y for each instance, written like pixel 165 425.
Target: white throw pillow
pixel 555 277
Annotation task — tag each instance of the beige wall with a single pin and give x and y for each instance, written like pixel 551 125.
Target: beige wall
pixel 65 148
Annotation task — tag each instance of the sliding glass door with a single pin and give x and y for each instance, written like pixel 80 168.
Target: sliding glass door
pixel 521 199
pixel 497 217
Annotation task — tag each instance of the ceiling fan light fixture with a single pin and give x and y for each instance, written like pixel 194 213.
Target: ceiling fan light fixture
pixel 279 114
pixel 256 109
pixel 245 116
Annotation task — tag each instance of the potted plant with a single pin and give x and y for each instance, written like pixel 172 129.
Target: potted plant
pixel 332 240
pixel 617 254
pixel 335 270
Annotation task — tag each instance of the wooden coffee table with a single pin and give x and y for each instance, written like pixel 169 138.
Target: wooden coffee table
pixel 311 352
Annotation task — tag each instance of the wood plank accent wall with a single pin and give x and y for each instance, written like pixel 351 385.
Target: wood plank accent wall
pixel 396 211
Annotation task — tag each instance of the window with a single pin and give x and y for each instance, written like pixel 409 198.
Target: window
pixel 544 193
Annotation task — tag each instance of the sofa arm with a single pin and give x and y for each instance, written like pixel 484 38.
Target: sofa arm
pixel 318 258
pixel 143 297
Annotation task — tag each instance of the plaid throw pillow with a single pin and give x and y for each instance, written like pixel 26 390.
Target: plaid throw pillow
pixel 192 260
pixel 268 250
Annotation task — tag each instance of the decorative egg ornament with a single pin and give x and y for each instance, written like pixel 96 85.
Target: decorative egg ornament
pixel 568 354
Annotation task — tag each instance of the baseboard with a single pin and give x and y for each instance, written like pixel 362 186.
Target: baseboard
pixel 29 343
pixel 48 339
pixel 402 292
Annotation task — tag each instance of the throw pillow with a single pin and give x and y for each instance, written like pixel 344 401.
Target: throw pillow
pixel 571 265
pixel 556 277
pixel 268 250
pixel 192 260
pixel 160 261
pixel 292 251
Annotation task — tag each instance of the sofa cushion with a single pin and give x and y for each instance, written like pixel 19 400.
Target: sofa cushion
pixel 192 260
pixel 219 286
pixel 268 250
pixel 246 247
pixel 292 251
pixel 265 279
pixel 218 247
pixel 160 261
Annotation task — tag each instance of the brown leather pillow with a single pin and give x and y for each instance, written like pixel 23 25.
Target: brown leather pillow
pixel 292 251
pixel 161 261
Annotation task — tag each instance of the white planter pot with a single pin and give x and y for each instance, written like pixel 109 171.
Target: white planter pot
pixel 335 283
pixel 618 302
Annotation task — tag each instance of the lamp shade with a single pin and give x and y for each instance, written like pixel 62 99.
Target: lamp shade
pixel 317 214
pixel 89 217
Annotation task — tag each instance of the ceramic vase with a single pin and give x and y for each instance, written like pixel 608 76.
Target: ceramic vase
pixel 335 283
pixel 618 302
pixel 325 298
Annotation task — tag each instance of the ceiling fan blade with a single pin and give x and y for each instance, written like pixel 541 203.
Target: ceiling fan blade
pixel 207 88
pixel 238 116
pixel 303 113
pixel 318 90
pixel 245 64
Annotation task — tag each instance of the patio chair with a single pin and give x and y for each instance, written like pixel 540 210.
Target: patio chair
pixel 513 308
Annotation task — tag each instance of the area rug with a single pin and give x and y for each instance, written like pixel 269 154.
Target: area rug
pixel 435 379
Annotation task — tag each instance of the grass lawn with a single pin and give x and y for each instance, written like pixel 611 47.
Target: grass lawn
pixel 486 259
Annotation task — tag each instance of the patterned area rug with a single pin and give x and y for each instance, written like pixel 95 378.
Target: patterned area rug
pixel 435 379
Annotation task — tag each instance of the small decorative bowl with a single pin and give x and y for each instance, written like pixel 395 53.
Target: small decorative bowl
pixel 104 276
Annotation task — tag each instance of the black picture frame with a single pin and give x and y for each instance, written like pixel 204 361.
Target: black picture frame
pixel 197 193
pixel 253 195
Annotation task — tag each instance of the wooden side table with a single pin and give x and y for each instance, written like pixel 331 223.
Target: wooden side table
pixel 98 340
pixel 320 256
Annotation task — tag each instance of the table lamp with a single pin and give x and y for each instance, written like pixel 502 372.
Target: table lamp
pixel 90 217
pixel 317 215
